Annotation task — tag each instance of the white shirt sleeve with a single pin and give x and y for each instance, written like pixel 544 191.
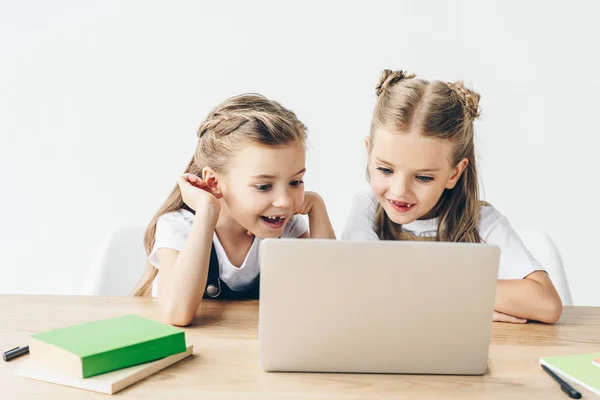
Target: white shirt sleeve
pixel 359 225
pixel 295 227
pixel 171 231
pixel 516 262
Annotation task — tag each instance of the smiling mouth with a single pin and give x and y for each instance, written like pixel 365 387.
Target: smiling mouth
pixel 275 221
pixel 402 206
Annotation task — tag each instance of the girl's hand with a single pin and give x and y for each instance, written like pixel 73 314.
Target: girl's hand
pixel 310 200
pixel 319 225
pixel 500 317
pixel 197 194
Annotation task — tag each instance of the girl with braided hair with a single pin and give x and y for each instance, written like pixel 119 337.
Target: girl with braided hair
pixel 424 186
pixel 244 183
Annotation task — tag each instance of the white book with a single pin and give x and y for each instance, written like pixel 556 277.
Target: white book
pixel 108 383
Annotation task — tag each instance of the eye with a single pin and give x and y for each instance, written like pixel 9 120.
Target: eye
pixel 423 178
pixel 264 187
pixel 296 183
pixel 385 171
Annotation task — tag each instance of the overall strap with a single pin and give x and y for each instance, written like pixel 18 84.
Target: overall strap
pixel 213 283
pixel 217 289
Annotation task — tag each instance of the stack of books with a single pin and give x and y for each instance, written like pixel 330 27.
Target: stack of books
pixel 104 356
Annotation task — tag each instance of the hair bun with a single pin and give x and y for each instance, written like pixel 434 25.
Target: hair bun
pixel 389 77
pixel 469 98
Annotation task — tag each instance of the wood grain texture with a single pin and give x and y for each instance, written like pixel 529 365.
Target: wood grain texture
pixel 225 364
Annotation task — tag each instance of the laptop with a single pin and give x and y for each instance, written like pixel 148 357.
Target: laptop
pixel 376 307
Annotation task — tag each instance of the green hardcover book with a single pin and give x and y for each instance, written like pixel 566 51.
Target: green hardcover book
pixel 578 368
pixel 93 348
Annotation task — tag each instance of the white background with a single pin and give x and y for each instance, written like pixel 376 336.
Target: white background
pixel 100 102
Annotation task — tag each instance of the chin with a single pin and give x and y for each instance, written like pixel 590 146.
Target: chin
pixel 270 235
pixel 401 219
pixel 265 233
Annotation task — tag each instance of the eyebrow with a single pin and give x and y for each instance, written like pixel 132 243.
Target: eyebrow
pixel 273 176
pixel 419 170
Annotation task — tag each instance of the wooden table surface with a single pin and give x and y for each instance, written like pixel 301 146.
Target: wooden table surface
pixel 225 364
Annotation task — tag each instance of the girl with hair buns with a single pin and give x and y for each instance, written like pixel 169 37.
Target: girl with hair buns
pixel 244 183
pixel 424 186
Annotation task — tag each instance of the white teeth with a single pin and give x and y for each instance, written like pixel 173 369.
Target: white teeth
pixel 274 219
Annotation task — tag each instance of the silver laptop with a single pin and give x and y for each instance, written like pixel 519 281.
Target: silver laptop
pixel 376 307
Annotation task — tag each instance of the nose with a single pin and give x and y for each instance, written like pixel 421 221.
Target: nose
pixel 283 199
pixel 400 187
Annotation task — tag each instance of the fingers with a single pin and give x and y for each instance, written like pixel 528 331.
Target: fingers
pixel 304 208
pixel 182 182
pixel 196 182
pixel 215 192
pixel 193 180
pixel 501 317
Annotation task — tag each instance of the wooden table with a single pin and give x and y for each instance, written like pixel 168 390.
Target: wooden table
pixel 225 364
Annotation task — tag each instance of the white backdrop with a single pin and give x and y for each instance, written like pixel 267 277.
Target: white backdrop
pixel 100 101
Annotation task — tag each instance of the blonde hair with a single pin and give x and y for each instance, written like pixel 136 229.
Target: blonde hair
pixel 240 120
pixel 439 110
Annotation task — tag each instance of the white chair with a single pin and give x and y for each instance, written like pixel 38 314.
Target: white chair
pixel 119 263
pixel 545 251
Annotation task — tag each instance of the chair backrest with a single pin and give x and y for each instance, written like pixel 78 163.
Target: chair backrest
pixel 545 251
pixel 119 263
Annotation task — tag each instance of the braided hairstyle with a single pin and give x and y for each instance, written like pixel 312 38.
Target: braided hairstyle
pixel 436 109
pixel 238 121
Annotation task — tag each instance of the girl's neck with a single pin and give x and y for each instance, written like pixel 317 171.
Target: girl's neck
pixel 227 225
pixel 436 210
pixel 433 213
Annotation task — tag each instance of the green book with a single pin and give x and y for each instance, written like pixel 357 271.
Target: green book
pixel 93 348
pixel 578 368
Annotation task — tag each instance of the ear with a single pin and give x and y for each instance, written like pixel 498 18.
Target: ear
pixel 210 177
pixel 368 148
pixel 457 173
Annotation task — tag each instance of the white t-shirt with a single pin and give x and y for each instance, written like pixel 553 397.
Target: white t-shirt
pixel 516 262
pixel 173 228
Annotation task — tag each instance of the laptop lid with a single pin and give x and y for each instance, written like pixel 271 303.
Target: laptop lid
pixel 377 306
